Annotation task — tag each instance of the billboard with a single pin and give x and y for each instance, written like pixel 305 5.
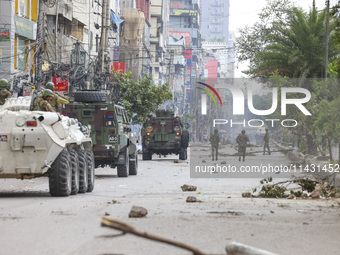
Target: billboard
pixel 118 66
pixel 61 82
pixel 179 34
pixel 183 13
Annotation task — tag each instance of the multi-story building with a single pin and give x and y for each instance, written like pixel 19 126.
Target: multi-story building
pixel 159 40
pixel 134 46
pixel 185 24
pixel 18 26
pixel 215 20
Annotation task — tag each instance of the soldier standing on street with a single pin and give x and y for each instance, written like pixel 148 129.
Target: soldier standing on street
pixel 242 140
pixel 4 92
pixel 44 102
pixel 266 142
pixel 214 140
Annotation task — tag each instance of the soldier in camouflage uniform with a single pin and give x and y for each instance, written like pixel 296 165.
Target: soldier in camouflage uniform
pixel 266 142
pixel 55 102
pixel 214 140
pixel 242 140
pixel 44 102
pixel 4 93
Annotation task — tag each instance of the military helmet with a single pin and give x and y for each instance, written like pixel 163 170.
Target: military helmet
pixel 47 93
pixel 216 131
pixel 50 85
pixel 243 131
pixel 3 83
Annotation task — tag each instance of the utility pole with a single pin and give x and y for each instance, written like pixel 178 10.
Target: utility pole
pixel 171 74
pixel 102 38
pixel 327 37
pixel 39 44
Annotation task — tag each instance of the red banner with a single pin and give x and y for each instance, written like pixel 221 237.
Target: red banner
pixel 118 66
pixel 188 54
pixel 61 82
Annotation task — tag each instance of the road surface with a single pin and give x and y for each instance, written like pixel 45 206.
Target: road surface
pixel 33 222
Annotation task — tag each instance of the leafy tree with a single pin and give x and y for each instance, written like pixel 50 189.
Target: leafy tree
pixel 292 44
pixel 141 97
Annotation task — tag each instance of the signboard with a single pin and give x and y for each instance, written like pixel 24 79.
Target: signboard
pixel 176 5
pixel 188 54
pixel 78 61
pixel 116 53
pixel 61 82
pixel 25 28
pixel 118 66
pixel 4 34
pixel 179 34
pixel 183 13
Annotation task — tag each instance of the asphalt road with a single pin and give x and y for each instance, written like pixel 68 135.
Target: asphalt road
pixel 33 222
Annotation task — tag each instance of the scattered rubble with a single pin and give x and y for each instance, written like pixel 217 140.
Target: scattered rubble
pixel 178 161
pixel 191 199
pixel 246 194
pixel 186 187
pixel 137 212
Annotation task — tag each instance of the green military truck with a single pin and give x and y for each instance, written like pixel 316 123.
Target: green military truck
pixel 163 135
pixel 114 143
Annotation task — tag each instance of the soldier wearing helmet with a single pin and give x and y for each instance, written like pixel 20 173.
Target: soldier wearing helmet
pixel 242 140
pixel 214 140
pixel 4 92
pixel 55 102
pixel 44 102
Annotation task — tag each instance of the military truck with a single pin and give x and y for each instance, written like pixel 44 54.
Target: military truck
pixel 164 134
pixel 114 143
pixel 36 144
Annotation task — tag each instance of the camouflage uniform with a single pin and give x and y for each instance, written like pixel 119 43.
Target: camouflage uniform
pixel 4 93
pixel 242 140
pixel 266 142
pixel 214 140
pixel 44 105
pixel 55 103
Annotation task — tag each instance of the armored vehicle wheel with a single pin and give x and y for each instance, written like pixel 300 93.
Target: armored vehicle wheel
pixel 123 169
pixel 133 164
pixel 185 139
pixel 83 175
pixel 75 171
pixel 183 154
pixel 60 177
pixel 147 156
pixel 89 96
pixel 90 170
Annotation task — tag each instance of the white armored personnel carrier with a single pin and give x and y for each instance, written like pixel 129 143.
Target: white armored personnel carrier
pixel 36 143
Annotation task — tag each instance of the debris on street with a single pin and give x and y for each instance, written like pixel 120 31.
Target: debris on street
pixel 137 212
pixel 191 199
pixel 186 187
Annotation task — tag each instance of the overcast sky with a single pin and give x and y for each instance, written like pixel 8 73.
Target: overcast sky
pixel 244 12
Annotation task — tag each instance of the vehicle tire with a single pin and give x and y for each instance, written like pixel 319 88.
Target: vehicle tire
pixel 123 169
pixel 133 164
pixel 147 156
pixel 183 154
pixel 90 170
pixel 185 139
pixel 90 96
pixel 60 176
pixel 75 171
pixel 83 169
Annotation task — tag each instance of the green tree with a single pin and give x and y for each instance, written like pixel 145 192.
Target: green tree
pixel 141 97
pixel 293 45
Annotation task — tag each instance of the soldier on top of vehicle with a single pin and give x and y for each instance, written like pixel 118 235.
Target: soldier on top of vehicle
pixel 4 92
pixel 55 101
pixel 44 102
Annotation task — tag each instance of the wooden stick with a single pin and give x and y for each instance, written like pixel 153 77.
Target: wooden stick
pixel 111 223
